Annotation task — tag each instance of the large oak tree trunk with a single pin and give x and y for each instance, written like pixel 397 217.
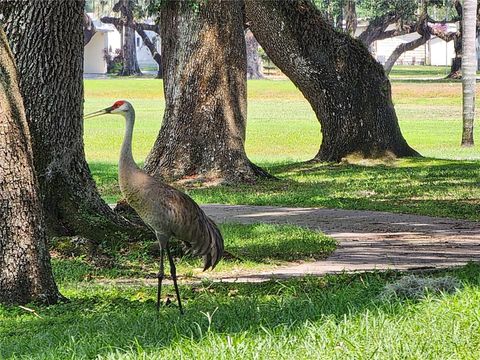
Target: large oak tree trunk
pixel 203 130
pixel 47 41
pixel 346 87
pixel 25 272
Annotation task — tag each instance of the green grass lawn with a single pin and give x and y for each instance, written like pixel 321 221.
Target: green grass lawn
pixel 419 71
pixel 333 317
pixel 282 132
pixel 248 248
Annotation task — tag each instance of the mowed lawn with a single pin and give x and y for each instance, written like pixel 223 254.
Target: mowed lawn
pixel 281 124
pixel 332 317
pixel 343 316
pixel 283 131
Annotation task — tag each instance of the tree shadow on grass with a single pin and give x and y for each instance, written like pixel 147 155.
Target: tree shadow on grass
pixel 254 243
pixel 101 321
pixel 419 175
pixel 440 188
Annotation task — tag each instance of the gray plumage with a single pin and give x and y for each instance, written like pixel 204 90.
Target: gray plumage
pixel 169 212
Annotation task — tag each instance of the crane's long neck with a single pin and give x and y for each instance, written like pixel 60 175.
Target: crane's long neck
pixel 126 157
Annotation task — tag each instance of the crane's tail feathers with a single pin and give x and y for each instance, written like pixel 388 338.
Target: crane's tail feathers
pixel 214 250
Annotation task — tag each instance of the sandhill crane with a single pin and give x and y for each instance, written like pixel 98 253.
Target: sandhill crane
pixel 166 210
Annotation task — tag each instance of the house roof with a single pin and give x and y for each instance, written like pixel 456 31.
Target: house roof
pixel 102 27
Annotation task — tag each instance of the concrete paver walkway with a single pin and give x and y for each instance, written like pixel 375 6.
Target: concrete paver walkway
pixel 367 240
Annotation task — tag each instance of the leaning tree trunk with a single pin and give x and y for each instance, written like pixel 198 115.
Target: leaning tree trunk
pixel 402 48
pixel 153 50
pixel 25 272
pixel 469 69
pixel 203 131
pixel 254 61
pixel 346 87
pixel 49 56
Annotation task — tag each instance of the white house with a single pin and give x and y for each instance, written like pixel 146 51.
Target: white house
pixel 144 56
pixel 434 52
pixel 108 38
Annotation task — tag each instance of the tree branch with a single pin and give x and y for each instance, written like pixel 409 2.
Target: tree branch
pixel 407 29
pixel 376 28
pixel 88 29
pixel 402 48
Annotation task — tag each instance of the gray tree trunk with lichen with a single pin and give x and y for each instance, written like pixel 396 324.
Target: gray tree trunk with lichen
pixel 203 130
pixel 49 56
pixel 129 51
pixel 346 87
pixel 25 272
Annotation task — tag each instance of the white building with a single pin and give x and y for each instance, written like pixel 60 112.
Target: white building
pixel 108 38
pixel 434 52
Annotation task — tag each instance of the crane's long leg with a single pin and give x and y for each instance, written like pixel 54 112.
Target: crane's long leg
pixel 173 272
pixel 161 275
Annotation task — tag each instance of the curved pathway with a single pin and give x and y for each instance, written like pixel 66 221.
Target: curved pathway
pixel 367 240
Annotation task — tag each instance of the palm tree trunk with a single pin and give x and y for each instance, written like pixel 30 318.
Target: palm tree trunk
pixel 469 69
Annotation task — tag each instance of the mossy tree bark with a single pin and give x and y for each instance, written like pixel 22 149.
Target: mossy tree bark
pixel 203 132
pixel 346 87
pixel 25 272
pixel 46 38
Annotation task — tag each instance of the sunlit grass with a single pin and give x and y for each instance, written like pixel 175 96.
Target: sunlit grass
pixel 281 124
pixel 419 72
pixel 282 131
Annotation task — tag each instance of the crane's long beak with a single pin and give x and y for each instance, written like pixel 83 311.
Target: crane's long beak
pixel 99 112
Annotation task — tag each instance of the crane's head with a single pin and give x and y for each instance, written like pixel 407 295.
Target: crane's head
pixel 121 107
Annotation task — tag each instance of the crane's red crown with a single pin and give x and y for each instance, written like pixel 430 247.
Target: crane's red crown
pixel 118 103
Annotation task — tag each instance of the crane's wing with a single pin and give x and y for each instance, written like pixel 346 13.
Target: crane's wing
pixel 174 213
pixel 197 229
